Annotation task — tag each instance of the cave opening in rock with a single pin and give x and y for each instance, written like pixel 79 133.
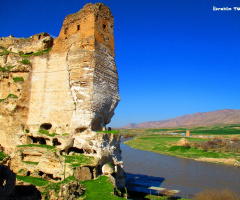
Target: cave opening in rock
pixel 40 173
pixel 48 176
pixel 46 126
pixel 65 30
pixel 37 140
pixel 41 141
pixel 87 151
pixel 104 26
pixel 33 139
pixel 80 129
pixel 55 142
pixel 28 173
pixel 75 150
pixel 53 178
pixel 99 170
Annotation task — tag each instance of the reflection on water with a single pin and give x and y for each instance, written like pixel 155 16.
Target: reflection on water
pixel 170 172
pixel 141 183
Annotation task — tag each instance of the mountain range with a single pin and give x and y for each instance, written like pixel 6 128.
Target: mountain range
pixel 224 116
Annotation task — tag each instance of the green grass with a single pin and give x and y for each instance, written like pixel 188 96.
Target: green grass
pixel 39 53
pixel 167 145
pixel 110 165
pixel 112 131
pixel 6 68
pixel 100 189
pixel 18 79
pixel 79 160
pixel 25 62
pixel 33 180
pixel 224 129
pixel 45 132
pixel 3 51
pixel 9 96
pixel 21 170
pixel 65 134
pixel 38 145
pixel 30 163
pixel 56 186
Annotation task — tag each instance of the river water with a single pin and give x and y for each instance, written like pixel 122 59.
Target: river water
pixel 144 169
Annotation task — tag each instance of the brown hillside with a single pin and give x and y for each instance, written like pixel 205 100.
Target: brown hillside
pixel 225 116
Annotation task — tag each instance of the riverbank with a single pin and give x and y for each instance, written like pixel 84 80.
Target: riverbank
pixel 200 149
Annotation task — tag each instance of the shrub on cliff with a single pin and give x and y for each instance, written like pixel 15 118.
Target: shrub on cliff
pixel 18 79
pixel 3 155
pixel 3 51
pixel 6 68
pixel 25 62
pixel 9 96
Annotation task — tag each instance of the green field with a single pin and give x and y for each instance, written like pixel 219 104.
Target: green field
pixel 225 129
pixel 216 142
pixel 222 129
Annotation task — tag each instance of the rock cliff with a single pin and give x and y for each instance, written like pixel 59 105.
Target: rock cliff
pixel 56 93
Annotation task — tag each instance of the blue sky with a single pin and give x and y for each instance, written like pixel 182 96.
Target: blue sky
pixel 173 57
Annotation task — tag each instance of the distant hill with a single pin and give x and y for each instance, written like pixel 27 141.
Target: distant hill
pixel 225 116
pixel 131 125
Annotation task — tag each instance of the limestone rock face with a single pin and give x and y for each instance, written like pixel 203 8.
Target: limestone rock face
pixel 75 88
pixel 56 93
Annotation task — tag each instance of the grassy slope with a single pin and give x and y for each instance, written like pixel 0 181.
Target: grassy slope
pixel 100 189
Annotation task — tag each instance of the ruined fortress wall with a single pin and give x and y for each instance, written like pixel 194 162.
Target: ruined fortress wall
pixel 74 88
pixel 80 80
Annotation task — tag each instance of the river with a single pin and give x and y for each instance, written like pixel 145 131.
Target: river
pixel 144 169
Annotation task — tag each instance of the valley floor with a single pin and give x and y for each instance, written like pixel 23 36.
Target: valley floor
pixel 218 144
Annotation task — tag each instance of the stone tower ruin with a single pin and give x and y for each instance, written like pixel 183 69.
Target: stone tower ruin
pixel 76 87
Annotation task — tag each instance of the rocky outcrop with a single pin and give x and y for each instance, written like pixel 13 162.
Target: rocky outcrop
pixel 183 142
pixel 70 191
pixel 56 93
pixel 83 174
pixel 107 169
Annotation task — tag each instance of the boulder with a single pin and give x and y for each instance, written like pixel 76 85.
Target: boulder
pixel 107 169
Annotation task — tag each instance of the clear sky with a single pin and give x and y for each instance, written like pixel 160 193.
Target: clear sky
pixel 174 57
